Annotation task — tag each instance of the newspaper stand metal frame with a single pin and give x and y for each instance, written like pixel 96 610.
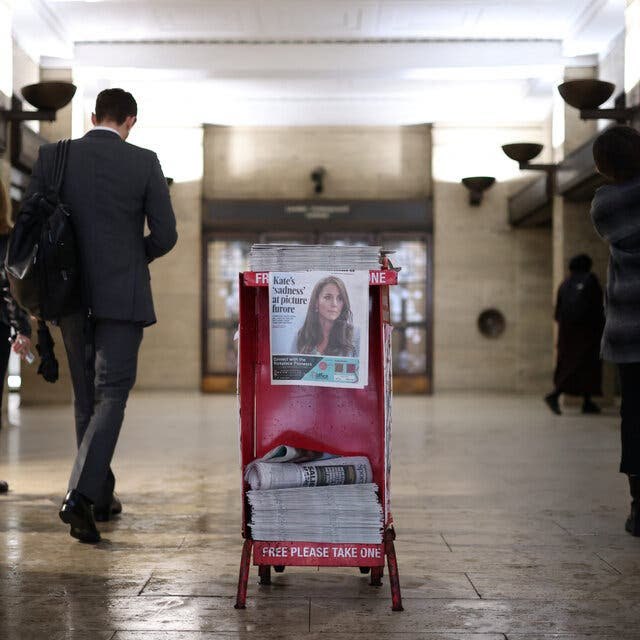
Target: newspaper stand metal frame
pixel 344 421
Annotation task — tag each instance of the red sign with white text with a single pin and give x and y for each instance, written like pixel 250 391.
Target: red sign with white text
pixel 316 554
pixel 379 277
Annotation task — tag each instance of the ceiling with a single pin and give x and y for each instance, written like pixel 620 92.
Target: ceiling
pixel 323 61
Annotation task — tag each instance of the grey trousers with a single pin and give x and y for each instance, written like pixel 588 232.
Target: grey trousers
pixel 103 361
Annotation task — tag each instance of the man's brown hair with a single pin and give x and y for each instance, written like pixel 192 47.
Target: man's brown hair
pixel 115 105
pixel 616 153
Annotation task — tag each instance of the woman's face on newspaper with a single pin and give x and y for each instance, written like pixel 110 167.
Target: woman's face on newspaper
pixel 330 302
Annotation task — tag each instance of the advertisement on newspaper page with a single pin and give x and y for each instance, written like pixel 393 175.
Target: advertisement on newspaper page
pixel 319 328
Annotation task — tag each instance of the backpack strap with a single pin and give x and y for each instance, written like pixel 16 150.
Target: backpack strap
pixel 59 165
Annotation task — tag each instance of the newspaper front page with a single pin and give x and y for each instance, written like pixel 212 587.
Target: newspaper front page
pixel 319 328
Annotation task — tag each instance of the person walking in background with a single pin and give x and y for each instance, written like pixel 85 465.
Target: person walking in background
pixel 14 321
pixel 580 317
pixel 615 212
pixel 111 188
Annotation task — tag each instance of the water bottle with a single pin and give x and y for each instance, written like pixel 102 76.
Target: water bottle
pixel 29 357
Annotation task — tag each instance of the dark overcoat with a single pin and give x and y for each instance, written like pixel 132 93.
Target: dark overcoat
pixel 580 316
pixel 615 211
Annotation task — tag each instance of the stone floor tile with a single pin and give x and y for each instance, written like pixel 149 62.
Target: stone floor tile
pixel 632 635
pixel 599 617
pixel 536 584
pixel 53 584
pixel 626 562
pixel 32 614
pixel 45 634
pixel 197 635
pixel 491 497
pixel 310 582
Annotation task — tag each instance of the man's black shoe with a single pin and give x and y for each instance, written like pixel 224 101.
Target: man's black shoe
pixel 553 404
pixel 103 514
pixel 4 486
pixel 590 407
pixel 77 512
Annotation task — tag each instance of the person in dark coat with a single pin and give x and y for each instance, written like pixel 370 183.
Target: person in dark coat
pixel 112 188
pixel 580 317
pixel 615 212
pixel 14 321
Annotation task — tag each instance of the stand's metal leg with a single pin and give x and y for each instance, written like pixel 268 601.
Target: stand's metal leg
pixel 243 576
pixel 264 572
pixel 392 563
pixel 376 576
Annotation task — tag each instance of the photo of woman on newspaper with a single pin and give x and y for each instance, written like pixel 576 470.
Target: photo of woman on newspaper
pixel 328 327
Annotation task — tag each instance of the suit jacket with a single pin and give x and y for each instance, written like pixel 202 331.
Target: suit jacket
pixel 111 188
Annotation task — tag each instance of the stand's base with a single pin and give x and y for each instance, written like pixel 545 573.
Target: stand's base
pixel 377 571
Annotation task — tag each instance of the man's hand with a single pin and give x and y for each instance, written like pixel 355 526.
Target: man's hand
pixel 22 345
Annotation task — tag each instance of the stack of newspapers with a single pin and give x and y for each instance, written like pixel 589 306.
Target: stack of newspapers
pixel 316 257
pixel 307 496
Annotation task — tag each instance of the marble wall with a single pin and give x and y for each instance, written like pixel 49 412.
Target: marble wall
pixel 170 352
pixel 480 261
pixel 275 162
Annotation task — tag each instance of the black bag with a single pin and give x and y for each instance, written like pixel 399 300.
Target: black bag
pixel 42 263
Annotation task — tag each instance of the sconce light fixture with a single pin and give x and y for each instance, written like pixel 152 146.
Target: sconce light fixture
pixel 317 177
pixel 477 185
pixel 587 95
pixel 46 97
pixel 523 152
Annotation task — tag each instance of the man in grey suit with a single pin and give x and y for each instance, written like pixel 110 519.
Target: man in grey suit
pixel 111 188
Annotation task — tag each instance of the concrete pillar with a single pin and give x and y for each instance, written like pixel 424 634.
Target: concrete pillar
pixel 573 232
pixel 34 389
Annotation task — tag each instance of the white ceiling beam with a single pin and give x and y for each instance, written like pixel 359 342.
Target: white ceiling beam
pixel 217 58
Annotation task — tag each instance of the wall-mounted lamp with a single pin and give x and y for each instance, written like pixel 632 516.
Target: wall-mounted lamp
pixel 317 177
pixel 587 95
pixel 477 185
pixel 46 97
pixel 523 152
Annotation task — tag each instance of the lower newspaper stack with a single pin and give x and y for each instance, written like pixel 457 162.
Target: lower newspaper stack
pixel 311 496
pixel 338 513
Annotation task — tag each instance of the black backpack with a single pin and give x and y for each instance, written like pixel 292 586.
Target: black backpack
pixel 42 262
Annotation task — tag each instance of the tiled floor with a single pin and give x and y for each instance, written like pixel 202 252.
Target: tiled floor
pixel 509 520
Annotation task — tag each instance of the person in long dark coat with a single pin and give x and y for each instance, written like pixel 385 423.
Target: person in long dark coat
pixel 615 213
pixel 580 317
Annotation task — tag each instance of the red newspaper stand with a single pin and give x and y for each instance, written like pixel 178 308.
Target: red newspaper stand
pixel 349 422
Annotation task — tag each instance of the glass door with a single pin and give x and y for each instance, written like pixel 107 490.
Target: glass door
pixel 411 311
pixel 227 254
pixel 224 257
